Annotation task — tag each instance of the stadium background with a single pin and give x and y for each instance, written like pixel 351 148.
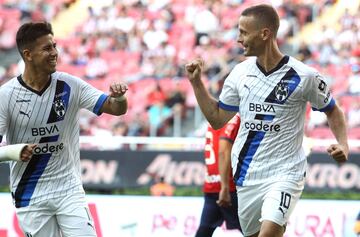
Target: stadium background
pixel 145 43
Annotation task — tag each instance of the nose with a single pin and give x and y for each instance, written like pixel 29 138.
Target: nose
pixel 240 39
pixel 54 52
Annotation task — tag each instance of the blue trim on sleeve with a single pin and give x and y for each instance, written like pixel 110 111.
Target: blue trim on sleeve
pixel 99 104
pixel 228 107
pixel 326 108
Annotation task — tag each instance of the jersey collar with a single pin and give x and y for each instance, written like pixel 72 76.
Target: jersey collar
pixel 21 81
pixel 282 62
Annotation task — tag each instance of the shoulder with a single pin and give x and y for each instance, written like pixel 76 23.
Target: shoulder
pixel 9 86
pixel 235 119
pixel 303 70
pixel 246 64
pixel 234 122
pixel 243 68
pixel 66 77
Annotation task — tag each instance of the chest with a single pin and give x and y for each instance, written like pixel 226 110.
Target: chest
pixel 45 113
pixel 273 95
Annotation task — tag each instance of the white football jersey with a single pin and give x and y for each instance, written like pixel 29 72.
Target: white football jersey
pixel 272 109
pixel 49 118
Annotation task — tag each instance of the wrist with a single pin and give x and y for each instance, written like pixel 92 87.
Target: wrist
pixel 196 81
pixel 225 188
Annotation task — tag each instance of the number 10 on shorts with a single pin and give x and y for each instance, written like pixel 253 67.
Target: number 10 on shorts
pixel 284 202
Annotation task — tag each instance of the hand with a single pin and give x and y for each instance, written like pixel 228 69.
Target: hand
pixel 224 198
pixel 193 69
pixel 117 89
pixel 338 152
pixel 27 152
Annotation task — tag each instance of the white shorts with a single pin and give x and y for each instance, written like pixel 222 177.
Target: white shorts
pixel 273 201
pixel 65 216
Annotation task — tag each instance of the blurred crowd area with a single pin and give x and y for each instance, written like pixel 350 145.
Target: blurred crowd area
pixel 146 43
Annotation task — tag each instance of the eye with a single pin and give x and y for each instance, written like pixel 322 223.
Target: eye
pixel 243 32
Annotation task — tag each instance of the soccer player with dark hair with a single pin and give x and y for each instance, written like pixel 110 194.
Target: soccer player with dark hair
pixel 270 90
pixel 41 106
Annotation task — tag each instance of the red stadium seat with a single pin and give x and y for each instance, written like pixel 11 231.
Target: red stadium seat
pixel 141 85
pixel 346 102
pixel 167 84
pixel 354 133
pixel 76 70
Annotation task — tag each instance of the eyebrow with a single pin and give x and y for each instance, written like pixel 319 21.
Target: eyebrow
pixel 49 44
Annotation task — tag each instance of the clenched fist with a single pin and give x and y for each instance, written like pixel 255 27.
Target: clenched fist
pixel 193 69
pixel 224 198
pixel 118 89
pixel 27 152
pixel 338 152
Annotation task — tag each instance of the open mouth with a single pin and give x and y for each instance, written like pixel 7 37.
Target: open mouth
pixel 53 62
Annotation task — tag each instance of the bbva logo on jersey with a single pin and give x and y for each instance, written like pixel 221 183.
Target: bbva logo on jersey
pixel 59 107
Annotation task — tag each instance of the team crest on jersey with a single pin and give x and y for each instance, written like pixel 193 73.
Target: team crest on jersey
pixel 59 107
pixel 281 91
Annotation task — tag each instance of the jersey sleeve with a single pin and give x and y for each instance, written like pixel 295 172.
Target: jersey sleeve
pixel 229 97
pixel 91 98
pixel 317 92
pixel 230 130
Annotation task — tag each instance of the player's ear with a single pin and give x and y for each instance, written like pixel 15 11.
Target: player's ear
pixel 265 33
pixel 27 54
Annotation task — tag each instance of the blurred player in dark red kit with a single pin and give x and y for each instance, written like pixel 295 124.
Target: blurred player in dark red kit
pixel 219 189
